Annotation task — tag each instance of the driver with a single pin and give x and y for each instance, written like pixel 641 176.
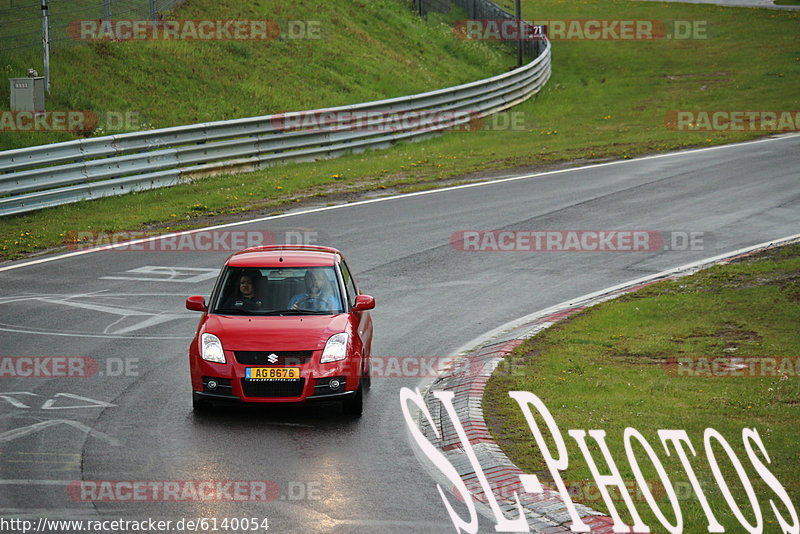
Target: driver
pixel 314 298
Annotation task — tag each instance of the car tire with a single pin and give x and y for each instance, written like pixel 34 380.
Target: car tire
pixel 354 405
pixel 200 405
pixel 366 378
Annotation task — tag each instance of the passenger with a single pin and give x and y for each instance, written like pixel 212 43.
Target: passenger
pixel 245 296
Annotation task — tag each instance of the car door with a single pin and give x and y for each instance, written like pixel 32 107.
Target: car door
pixel 361 320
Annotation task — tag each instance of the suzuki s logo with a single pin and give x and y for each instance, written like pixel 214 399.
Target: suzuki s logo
pixel 272 358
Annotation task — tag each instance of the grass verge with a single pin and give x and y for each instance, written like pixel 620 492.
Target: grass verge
pixel 359 51
pixel 605 100
pixel 610 368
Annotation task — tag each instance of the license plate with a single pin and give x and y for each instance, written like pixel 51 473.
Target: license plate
pixel 272 373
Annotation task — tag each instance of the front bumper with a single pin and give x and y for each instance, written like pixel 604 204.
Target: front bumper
pixel 229 398
pixel 227 383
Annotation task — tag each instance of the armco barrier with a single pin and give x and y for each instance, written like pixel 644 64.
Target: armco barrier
pixel 50 175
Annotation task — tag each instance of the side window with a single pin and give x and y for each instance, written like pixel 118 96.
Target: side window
pixel 349 285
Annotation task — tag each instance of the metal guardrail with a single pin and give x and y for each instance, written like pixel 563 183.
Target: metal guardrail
pixel 50 175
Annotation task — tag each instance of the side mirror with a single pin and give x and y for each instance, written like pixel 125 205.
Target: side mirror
pixel 364 302
pixel 196 303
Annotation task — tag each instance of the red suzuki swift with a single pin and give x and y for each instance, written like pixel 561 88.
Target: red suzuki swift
pixel 284 324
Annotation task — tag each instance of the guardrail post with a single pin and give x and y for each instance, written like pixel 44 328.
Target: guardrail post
pixel 46 43
pixel 519 37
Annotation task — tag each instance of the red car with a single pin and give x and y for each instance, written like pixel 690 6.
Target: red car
pixel 284 324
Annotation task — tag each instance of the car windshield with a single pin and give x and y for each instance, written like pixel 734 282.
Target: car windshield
pixel 286 291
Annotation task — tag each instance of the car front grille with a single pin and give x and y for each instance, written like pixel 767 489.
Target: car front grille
pixel 262 357
pixel 273 388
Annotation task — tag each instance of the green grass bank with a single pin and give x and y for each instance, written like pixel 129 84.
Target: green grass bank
pixel 606 99
pixel 615 365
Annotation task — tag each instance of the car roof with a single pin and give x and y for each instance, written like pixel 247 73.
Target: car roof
pixel 285 256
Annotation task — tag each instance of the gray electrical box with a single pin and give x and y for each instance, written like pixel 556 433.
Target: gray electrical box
pixel 27 94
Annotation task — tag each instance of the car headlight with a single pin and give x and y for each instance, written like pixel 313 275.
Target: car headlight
pixel 335 348
pixel 211 348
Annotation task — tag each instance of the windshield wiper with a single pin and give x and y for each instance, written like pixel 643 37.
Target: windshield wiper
pixel 245 311
pixel 299 311
pixel 235 311
pixel 282 312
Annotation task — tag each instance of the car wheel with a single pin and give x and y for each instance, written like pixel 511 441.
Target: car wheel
pixel 355 404
pixel 366 378
pixel 200 405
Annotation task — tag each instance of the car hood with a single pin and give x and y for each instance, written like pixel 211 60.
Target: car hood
pixel 307 332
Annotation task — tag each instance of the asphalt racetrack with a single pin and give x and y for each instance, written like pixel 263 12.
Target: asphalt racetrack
pixel 132 420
